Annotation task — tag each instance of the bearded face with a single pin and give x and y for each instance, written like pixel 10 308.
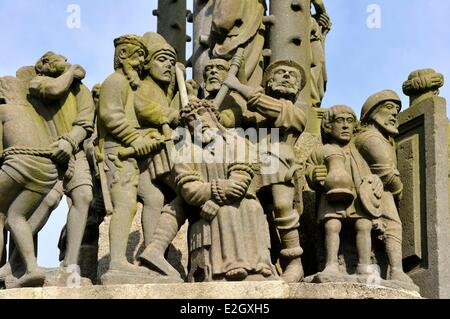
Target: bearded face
pixel 215 73
pixel 385 116
pixel 285 82
pixel 202 126
pixel 131 58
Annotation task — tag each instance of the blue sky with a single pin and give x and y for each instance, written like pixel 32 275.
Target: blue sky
pixel 413 34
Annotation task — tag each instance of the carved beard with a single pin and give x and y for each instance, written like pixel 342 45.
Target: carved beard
pixel 282 92
pixel 132 75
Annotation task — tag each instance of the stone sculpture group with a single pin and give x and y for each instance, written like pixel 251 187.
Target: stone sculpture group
pixel 220 152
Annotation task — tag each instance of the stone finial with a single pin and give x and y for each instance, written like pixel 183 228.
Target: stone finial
pixel 422 84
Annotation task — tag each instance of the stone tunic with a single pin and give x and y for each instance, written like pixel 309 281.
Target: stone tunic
pixel 278 162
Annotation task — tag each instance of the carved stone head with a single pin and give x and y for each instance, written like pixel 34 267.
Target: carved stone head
pixel 130 56
pixel 161 60
pixel 200 117
pixel 339 124
pixel 285 79
pixel 214 74
pixel 51 64
pixel 381 109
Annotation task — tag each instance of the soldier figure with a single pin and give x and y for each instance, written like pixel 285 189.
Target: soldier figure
pixel 376 145
pixel 283 80
pixel 122 144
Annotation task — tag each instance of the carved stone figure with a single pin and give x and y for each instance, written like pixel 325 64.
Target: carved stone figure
pixel 157 112
pixel 284 80
pixel 320 26
pixel 239 24
pixel 376 145
pixel 228 237
pixel 123 144
pixel 68 109
pixel 343 188
pixel 28 171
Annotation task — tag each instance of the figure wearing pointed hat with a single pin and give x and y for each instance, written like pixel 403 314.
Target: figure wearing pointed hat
pixel 119 128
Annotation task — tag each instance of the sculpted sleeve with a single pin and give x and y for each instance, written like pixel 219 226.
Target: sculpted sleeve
pixel 313 160
pixel 194 190
pixel 285 113
pixel 85 108
pixel 113 98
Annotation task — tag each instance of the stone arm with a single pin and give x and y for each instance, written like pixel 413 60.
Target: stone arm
pixel 194 190
pixel 113 96
pixel 379 155
pixel 45 87
pixel 285 114
pixel 313 161
pixel 83 125
pixel 150 113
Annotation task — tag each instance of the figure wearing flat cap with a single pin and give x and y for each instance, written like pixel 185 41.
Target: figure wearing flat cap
pixel 123 144
pixel 67 106
pixel 283 81
pixel 376 145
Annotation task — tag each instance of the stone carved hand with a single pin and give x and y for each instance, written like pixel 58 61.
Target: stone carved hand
pixel 233 189
pixel 209 210
pixel 377 186
pixel 192 87
pixel 144 146
pixel 63 151
pixel 320 174
pixel 232 82
pixel 325 22
pixel 79 72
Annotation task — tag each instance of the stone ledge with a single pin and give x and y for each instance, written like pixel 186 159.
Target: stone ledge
pixel 220 290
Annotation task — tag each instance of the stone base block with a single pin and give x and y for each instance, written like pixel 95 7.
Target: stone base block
pixel 220 290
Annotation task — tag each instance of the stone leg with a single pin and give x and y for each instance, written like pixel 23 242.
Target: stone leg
pixel 76 222
pixel 287 222
pixel 171 220
pixel 333 228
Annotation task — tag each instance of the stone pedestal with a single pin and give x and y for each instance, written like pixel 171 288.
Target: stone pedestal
pixel 177 254
pixel 220 290
pixel 422 148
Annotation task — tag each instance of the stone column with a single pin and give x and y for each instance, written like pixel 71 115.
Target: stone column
pixel 202 28
pixel 172 24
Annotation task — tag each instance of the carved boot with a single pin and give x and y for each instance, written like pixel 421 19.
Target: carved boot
pixel 153 255
pixel 290 254
pixel 394 252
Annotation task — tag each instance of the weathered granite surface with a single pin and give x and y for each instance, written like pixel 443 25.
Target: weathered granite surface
pixel 221 290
